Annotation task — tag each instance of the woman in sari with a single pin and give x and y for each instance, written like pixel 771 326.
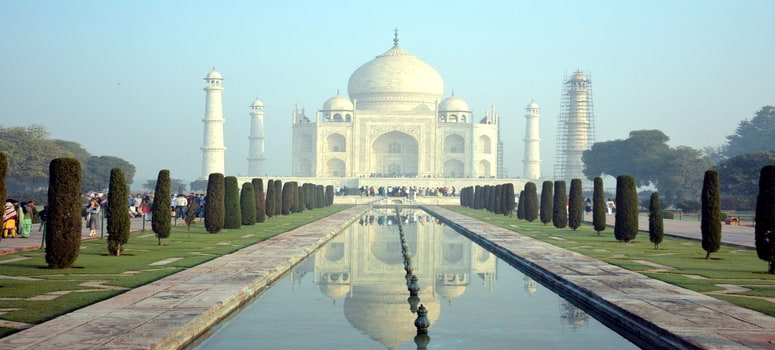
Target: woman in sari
pixel 9 220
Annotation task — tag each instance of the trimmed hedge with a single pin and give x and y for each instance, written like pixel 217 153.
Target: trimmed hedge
pixel 270 202
pixel 547 198
pixel 765 220
pixel 63 230
pixel 498 202
pixel 161 209
pixel 117 213
pixel 531 205
pixel 656 225
pixel 215 210
pixel 287 200
pixel 559 212
pixel 711 213
pixel 508 198
pixel 576 205
pixel 521 206
pixel 233 218
pixel 598 206
pixel 258 189
pixel 247 204
pixel 3 173
pixel 626 225
pixel 329 195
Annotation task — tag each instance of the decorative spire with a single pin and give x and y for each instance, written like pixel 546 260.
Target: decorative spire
pixel 453 92
pixel 395 37
pixel 337 92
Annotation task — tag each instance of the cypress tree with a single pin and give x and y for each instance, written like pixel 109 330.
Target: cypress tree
pixel 478 197
pixel 626 225
pixel 63 233
pixel 711 213
pixel 508 199
pixel 309 195
pixel 531 205
pixel 329 195
pixel 270 198
pixel 498 203
pixel 247 204
pixel 161 217
pixel 286 199
pixel 547 196
pixel 118 219
pixel 598 206
pixel 765 217
pixel 258 188
pixel 278 197
pixel 486 198
pixel 320 195
pixel 3 173
pixel 491 199
pixel 656 229
pixel 576 205
pixel 294 198
pixel 463 196
pixel 214 203
pixel 521 206
pixel 300 198
pixel 233 218
pixel 559 212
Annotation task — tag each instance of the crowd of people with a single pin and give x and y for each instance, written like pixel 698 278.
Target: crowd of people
pixel 410 191
pixel 18 218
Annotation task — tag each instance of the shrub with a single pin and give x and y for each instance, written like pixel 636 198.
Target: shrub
pixel 521 206
pixel 498 202
pixel 278 197
pixel 258 188
pixel 270 198
pixel 300 199
pixel 491 199
pixel 193 206
pixel 559 212
pixel 478 193
pixel 576 205
pixel 656 229
pixel 546 202
pixel 214 203
pixel 668 215
pixel 309 199
pixel 329 195
pixel 508 199
pixel 320 196
pixel 286 198
pixel 531 205
pixel 63 233
pixel 598 206
pixel 689 205
pixel 160 217
pixel 118 212
pixel 486 197
pixel 765 217
pixel 247 204
pixel 626 225
pixel 711 213
pixel 3 173
pixel 233 218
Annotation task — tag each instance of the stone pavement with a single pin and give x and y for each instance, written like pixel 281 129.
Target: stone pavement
pixel 655 314
pixel 173 311
pixel 736 236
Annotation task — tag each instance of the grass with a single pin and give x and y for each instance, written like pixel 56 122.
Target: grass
pixel 130 270
pixel 729 265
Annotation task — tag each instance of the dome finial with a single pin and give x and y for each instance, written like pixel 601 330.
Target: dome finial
pixel 395 37
pixel 337 92
pixel 453 92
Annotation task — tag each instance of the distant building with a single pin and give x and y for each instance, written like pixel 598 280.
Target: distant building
pixel 575 127
pixel 532 159
pixel 256 139
pixel 212 146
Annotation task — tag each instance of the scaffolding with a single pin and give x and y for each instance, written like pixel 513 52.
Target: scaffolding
pixel 575 126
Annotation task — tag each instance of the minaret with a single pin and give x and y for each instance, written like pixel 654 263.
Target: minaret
pixel 212 145
pixel 256 150
pixel 576 127
pixel 532 159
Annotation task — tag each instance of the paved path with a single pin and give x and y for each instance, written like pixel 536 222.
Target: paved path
pixel 15 245
pixel 173 311
pixel 738 236
pixel 658 314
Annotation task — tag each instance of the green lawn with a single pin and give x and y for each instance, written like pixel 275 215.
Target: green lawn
pixel 739 267
pixel 24 279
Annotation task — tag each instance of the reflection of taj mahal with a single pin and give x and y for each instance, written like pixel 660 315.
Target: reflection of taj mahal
pixel 364 265
pixel 394 123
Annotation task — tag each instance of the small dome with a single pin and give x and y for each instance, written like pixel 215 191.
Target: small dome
pixel 338 103
pixel 455 104
pixel 257 103
pixel 334 291
pixel 579 76
pixel 214 75
pixel 533 105
pixel 450 292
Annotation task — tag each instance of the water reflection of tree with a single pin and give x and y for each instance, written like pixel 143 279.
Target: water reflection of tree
pixel 574 316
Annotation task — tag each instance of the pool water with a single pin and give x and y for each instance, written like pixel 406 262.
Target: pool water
pixel 352 294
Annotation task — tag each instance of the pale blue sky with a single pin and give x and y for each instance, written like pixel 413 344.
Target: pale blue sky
pixel 125 78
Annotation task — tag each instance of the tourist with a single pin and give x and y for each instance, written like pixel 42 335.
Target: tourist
pixel 9 220
pixel 26 219
pixel 43 216
pixel 588 205
pixel 92 214
pixel 609 206
pixel 181 206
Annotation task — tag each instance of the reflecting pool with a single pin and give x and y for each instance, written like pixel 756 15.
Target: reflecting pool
pixel 352 294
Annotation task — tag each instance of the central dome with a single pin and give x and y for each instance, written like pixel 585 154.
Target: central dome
pixel 396 76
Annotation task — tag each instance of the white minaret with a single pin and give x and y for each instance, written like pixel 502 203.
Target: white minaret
pixel 256 150
pixel 212 145
pixel 532 160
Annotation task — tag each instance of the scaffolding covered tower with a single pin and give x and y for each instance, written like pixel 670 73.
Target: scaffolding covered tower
pixel 575 127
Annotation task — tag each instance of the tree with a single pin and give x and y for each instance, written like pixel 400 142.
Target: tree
pixel 174 183
pixel 198 185
pixel 118 209
pixel 247 204
pixel 576 205
pixel 320 194
pixel 765 217
pixel 287 200
pixel 559 211
pixel 478 197
pixel 531 205
pixel 215 211
pixel 309 200
pixel 711 214
pixel 598 206
pixel 738 175
pixel 498 200
pixel 160 217
pixel 75 149
pixel 3 172
pixel 270 201
pixel 63 231
pixel 656 228
pixel 329 195
pixel 626 225
pixel 233 218
pixel 546 202
pixel 278 199
pixel 491 199
pixel 193 206
pixel 521 206
pixel 508 198
pixel 96 172
pixel 29 153
pixel 258 186
pixel 300 199
pixel 754 135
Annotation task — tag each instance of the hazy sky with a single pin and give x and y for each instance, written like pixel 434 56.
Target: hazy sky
pixel 125 78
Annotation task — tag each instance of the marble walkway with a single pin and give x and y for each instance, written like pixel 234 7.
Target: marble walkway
pixel 658 314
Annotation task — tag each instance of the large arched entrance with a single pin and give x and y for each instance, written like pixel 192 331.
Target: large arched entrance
pixel 394 154
pixel 453 168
